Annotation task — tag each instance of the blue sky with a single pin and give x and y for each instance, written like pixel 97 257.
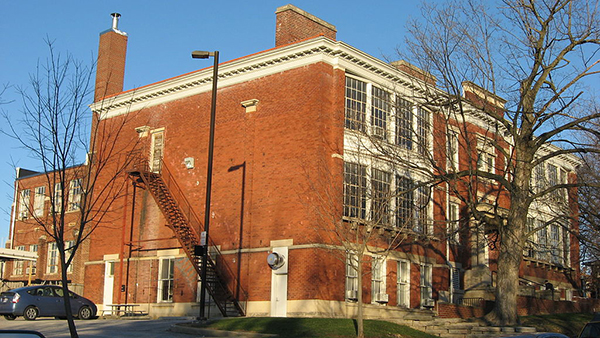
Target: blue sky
pixel 162 35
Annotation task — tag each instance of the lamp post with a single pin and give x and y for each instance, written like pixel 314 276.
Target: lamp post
pixel 213 105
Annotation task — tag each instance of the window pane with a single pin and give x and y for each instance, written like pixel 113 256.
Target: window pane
pixel 422 136
pixel 380 184
pixel 355 184
pixel 356 104
pixel 380 110
pixel 404 202
pixel 404 122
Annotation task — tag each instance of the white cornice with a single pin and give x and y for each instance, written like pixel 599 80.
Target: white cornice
pixel 320 49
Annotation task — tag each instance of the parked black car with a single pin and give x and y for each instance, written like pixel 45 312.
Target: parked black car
pixel 43 301
pixel 591 329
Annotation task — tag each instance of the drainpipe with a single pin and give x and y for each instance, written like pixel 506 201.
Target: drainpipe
pixel 13 218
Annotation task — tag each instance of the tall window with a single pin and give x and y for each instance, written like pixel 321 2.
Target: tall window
pixel 421 210
pixel 555 244
pixel 529 250
pixel 52 260
pixel 38 201
pixel 552 172
pixel 68 252
pixel 355 194
pixel 452 149
pixel 32 264
pixel 563 180
pixel 486 158
pixel 75 193
pixel 412 206
pixel 404 123
pixel 378 273
pixel 426 285
pixel 539 177
pixel 422 135
pixel 156 151
pixel 380 206
pixel 380 110
pixel 57 197
pixel 404 202
pixel 18 270
pixel 453 225
pixel 24 203
pixel 165 279
pixel 542 241
pixel 403 282
pixel 351 276
pixel 455 289
pixel 356 104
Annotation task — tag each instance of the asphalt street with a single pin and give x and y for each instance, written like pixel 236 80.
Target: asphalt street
pixel 99 328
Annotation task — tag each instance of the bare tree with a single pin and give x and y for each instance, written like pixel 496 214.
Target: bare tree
pixel 56 127
pixel 366 207
pixel 537 55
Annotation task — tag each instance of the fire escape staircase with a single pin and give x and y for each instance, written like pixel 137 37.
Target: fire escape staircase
pixel 221 283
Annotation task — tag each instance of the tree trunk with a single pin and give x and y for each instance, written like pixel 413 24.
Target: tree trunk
pixel 66 298
pixel 360 330
pixel 511 249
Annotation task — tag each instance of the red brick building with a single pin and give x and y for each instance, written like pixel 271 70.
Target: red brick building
pixel 295 143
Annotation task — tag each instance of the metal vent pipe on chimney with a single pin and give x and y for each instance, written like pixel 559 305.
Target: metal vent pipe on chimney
pixel 115 21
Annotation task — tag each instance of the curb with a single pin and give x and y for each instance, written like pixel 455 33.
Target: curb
pixel 204 332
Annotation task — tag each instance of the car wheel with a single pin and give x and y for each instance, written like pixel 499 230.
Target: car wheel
pixel 10 317
pixel 30 313
pixel 85 313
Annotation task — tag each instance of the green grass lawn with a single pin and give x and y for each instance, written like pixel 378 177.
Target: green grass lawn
pixel 316 327
pixel 566 323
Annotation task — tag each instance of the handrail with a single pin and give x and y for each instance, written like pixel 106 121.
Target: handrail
pixel 224 271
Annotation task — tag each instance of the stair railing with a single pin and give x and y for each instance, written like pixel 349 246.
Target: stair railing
pixel 223 270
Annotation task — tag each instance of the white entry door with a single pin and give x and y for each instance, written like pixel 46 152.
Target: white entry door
pixel 109 281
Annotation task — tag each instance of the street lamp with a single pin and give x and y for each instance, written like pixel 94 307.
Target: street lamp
pixel 197 54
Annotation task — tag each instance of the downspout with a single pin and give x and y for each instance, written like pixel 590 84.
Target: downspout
pixel 122 252
pixel 130 243
pixel 13 218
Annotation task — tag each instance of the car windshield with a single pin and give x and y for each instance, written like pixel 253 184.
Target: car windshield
pixel 591 330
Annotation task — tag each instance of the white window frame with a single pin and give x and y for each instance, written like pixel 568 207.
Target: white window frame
pixel 58 197
pixel 38 201
pixel 157 149
pixel 18 268
pixel 75 194
pixel 352 276
pixel 378 280
pixel 355 190
pixel 426 283
pixel 380 112
pixel 403 283
pixel 366 102
pixel 166 278
pixel 452 149
pixel 453 218
pixel 24 203
pixel 381 187
pixel 52 261
pixel 486 155
pixel 68 252
pixel 32 264
pixel 456 292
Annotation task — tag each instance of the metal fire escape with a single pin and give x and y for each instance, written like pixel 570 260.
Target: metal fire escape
pixel 221 283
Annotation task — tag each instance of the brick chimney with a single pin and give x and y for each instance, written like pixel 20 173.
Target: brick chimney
pixel 483 99
pixel 294 24
pixel 110 70
pixel 415 71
